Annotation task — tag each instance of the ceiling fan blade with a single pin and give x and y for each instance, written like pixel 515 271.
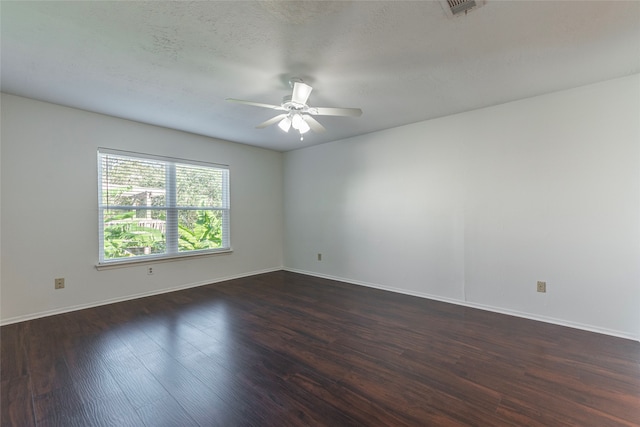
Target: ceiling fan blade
pixel 256 104
pixel 301 92
pixel 271 121
pixel 313 123
pixel 329 111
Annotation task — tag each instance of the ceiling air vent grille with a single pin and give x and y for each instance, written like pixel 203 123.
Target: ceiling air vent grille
pixel 461 6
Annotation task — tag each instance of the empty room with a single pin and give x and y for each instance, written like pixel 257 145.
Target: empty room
pixel 320 213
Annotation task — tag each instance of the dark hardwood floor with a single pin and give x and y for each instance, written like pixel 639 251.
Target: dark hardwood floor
pixel 284 349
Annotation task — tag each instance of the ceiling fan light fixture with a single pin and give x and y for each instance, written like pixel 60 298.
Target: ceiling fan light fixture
pixel 304 128
pixel 299 124
pixel 285 124
pixel 296 120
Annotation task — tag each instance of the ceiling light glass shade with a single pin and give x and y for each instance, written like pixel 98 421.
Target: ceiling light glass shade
pixel 285 124
pixel 304 127
pixel 299 124
pixel 297 121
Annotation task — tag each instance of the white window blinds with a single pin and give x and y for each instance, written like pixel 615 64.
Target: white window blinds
pixel 156 207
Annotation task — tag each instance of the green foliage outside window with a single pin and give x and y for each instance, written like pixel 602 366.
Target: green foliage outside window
pixel 203 233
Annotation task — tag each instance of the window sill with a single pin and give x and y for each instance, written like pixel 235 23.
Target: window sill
pixel 156 260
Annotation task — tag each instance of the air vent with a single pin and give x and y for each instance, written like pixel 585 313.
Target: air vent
pixel 458 7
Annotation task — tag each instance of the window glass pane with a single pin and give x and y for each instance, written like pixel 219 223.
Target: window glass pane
pixel 131 233
pixel 132 182
pixel 199 186
pixel 199 229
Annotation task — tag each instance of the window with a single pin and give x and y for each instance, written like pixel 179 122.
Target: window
pixel 156 207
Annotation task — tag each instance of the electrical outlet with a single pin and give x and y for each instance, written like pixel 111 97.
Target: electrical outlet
pixel 542 286
pixel 59 283
pixel 319 257
pixel 150 271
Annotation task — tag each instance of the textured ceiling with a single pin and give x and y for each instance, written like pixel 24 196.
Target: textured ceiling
pixel 173 63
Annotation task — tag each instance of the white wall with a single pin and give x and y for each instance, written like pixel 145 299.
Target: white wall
pixel 49 215
pixel 472 208
pixel 475 208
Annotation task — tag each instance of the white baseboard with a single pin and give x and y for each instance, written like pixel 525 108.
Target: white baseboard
pixel 47 313
pixel 530 316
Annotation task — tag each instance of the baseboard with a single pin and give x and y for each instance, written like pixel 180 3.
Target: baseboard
pixel 63 310
pixel 530 316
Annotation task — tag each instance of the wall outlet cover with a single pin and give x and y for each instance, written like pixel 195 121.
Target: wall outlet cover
pixel 542 286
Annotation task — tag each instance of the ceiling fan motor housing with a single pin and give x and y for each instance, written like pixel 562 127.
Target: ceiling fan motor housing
pixel 290 105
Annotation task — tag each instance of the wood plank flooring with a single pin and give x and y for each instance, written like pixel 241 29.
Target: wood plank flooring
pixel 284 349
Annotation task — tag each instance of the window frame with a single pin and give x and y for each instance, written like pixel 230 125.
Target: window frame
pixel 171 208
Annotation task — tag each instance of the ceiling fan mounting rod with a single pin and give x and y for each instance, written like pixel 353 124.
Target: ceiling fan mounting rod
pixel 294 80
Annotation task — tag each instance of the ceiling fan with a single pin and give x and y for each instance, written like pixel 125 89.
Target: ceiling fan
pixel 297 113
